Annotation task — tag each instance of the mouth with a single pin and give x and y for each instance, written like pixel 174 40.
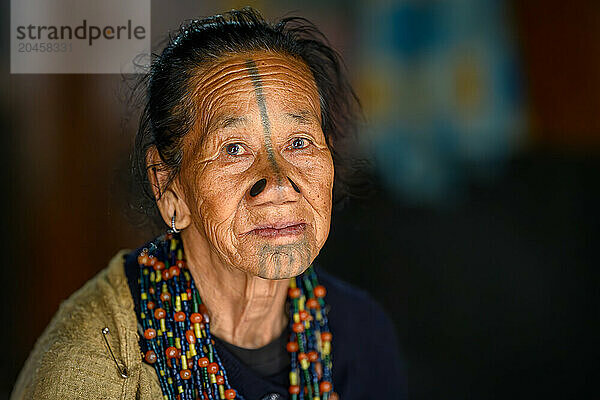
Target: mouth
pixel 278 230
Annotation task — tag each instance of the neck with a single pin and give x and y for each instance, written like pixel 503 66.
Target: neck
pixel 245 310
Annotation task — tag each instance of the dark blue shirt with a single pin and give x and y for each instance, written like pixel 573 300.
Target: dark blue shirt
pixel 366 361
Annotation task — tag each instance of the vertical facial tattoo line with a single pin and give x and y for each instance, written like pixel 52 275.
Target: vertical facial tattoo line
pixel 264 116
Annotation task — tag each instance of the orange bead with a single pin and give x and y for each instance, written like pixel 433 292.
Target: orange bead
pixel 189 335
pixel 203 362
pixel 318 369
pixel 150 357
pixel 171 352
pixel 313 356
pixel 204 311
pixel 326 336
pixel 334 396
pixel 196 318
pixel 151 305
pixel 325 387
pixel 159 266
pixel 320 291
pixel 165 296
pixel 313 304
pixel 150 333
pixel 185 374
pixel 179 316
pixel 230 394
pixel 292 347
pixel 160 313
pixel 166 275
pixel 220 380
pixel 294 292
pixel 302 356
pixel 174 271
pixel 298 327
pixel 212 368
pixel 151 290
pixel 180 263
pixel 142 259
pixel 294 389
pixel 304 315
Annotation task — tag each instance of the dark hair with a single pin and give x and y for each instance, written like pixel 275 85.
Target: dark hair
pixel 168 113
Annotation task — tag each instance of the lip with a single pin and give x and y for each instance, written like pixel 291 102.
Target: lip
pixel 279 229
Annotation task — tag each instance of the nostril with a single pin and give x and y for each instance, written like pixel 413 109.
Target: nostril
pixel 296 188
pixel 258 187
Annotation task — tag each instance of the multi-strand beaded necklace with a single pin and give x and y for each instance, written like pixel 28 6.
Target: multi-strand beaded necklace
pixel 178 343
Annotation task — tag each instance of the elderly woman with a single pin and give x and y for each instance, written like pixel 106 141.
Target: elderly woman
pixel 238 144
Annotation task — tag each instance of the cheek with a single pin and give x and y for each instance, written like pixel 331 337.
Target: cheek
pixel 318 176
pixel 216 197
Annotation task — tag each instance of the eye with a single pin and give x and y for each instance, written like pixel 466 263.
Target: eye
pixel 299 143
pixel 235 149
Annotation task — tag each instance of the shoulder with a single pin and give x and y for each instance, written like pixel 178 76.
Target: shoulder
pixel 350 305
pixel 71 359
pixel 365 344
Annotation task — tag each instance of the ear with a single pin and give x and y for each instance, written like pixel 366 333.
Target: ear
pixel 169 199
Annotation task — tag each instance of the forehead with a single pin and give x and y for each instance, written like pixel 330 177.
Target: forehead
pixel 228 89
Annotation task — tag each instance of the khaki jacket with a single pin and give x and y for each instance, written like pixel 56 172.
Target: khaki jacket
pixel 71 361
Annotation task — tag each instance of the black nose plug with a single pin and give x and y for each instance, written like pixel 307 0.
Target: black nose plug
pixel 296 188
pixel 258 187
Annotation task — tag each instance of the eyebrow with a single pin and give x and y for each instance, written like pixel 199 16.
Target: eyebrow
pixel 303 117
pixel 231 122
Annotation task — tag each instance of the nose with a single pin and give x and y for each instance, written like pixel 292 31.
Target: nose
pixel 273 190
pixel 273 184
pixel 260 185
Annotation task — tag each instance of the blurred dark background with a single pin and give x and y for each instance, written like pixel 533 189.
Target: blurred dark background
pixel 480 241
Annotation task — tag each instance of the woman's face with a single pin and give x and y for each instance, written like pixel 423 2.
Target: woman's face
pixel 257 175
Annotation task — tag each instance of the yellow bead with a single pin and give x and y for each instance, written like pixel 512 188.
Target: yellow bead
pixel 221 392
pixel 163 327
pixel 178 344
pixel 184 362
pixel 143 315
pixel 162 372
pixel 177 303
pixel 170 380
pixel 213 378
pixel 296 317
pixel 169 334
pixel 180 389
pixel 146 272
pixel 173 244
pixel 197 331
pixel 293 378
pixel 179 254
pixel 326 348
pixel 192 350
pixel 304 363
pixel 292 283
pixel 184 296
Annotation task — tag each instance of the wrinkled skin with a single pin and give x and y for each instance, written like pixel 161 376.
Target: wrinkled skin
pixel 259 118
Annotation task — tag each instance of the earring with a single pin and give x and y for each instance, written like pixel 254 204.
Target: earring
pixel 173 229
